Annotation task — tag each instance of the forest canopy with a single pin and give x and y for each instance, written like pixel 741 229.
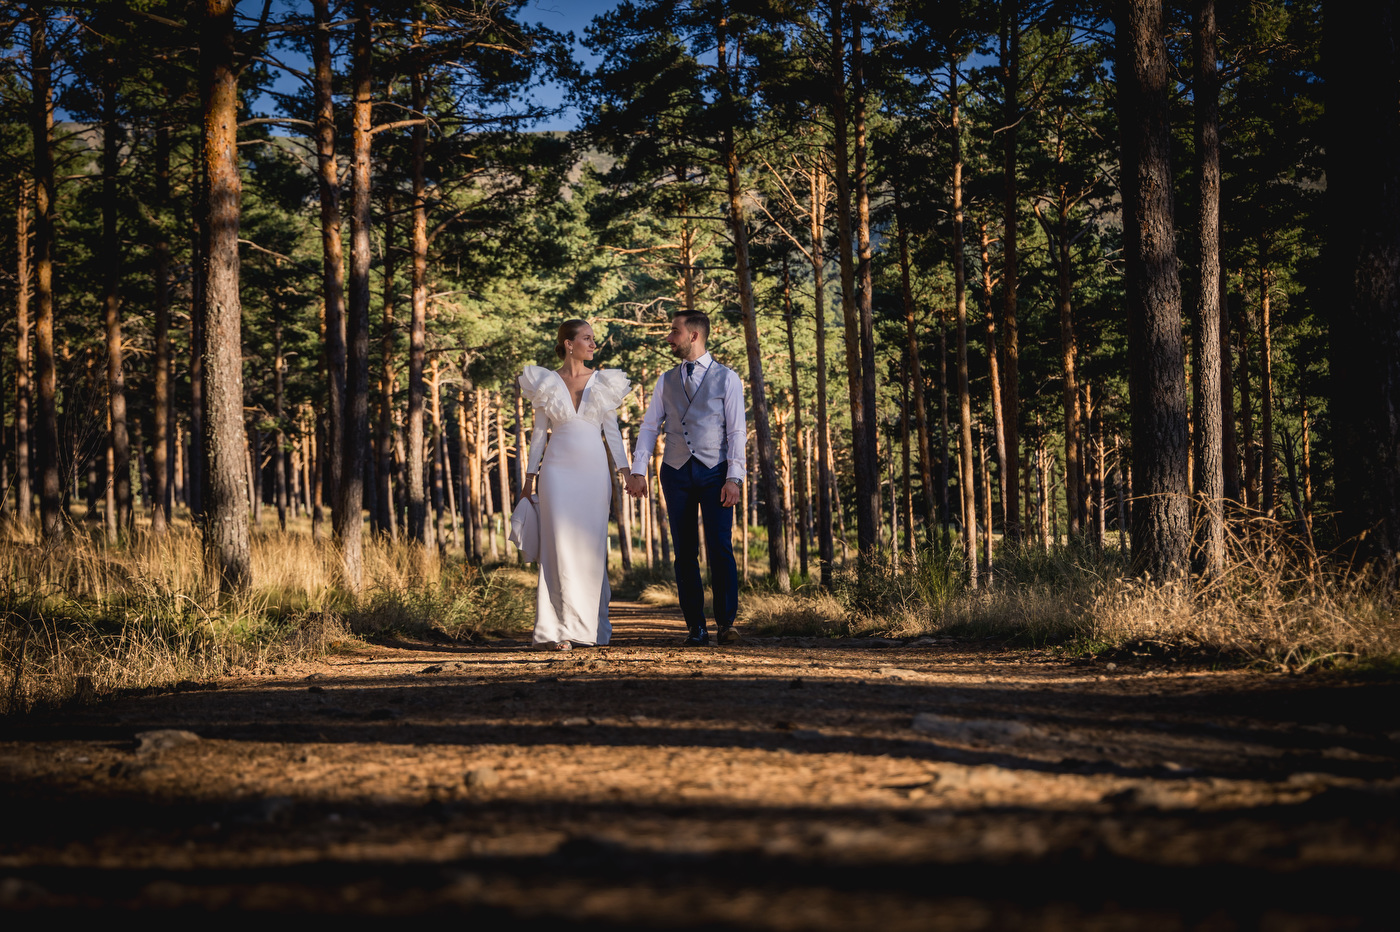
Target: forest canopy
pixel 1001 273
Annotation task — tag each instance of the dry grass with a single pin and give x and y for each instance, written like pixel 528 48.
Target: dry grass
pixel 84 618
pixel 1278 603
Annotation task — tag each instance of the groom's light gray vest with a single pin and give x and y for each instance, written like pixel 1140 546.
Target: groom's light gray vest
pixel 695 425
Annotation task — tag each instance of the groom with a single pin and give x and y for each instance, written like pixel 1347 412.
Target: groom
pixel 700 406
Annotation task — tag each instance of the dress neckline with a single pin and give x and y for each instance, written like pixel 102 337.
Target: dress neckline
pixel 570 392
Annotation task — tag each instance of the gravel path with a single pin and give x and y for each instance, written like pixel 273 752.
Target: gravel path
pixel 781 784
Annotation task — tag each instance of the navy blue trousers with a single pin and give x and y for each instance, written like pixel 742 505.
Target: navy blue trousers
pixel 695 488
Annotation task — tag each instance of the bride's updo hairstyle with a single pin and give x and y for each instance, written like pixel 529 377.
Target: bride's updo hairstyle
pixel 568 330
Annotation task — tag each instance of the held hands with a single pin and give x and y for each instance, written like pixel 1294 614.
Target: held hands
pixel 729 494
pixel 636 485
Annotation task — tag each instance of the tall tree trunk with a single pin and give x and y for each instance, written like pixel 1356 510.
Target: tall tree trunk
pixel 1229 449
pixel 916 373
pixel 1206 374
pixel 388 513
pixel 1251 462
pixel 967 480
pixel 826 550
pixel 24 281
pixel 868 494
pixel 1266 391
pixel 861 431
pixel 418 529
pixel 225 442
pixel 758 397
pixel 1157 374
pixel 163 413
pixel 279 437
pixel 194 454
pixel 1010 339
pixel 993 368
pixel 796 519
pixel 503 485
pixel 332 255
pixel 111 300
pixel 1069 353
pixel 906 497
pixel 356 427
pixel 945 508
pixel 41 113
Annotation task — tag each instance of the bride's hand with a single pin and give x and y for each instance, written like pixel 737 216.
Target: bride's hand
pixel 527 489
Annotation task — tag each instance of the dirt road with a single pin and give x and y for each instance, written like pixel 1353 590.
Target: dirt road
pixel 781 784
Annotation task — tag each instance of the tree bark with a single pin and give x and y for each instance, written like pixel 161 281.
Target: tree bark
pixel 826 550
pixel 503 484
pixel 418 529
pixel 41 115
pixel 332 255
pixel 225 441
pixel 1229 449
pixel 1266 392
pixel 1010 340
pixel 993 369
pixel 1161 539
pixel 967 480
pixel 763 435
pixel 1251 462
pixel 24 281
pixel 866 518
pixel 868 494
pixel 111 301
pixel 279 413
pixel 797 518
pixel 388 514
pixel 1209 473
pixel 916 373
pixel 349 520
pixel 163 414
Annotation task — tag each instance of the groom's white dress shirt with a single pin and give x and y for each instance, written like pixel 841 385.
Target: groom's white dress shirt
pixel 736 429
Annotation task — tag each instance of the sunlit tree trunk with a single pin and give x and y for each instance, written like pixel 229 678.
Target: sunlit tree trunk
pixel 332 252
pixel 119 438
pixel 868 494
pixel 916 374
pixel 967 481
pixel 279 437
pixel 24 281
pixel 503 485
pixel 758 397
pixel 163 413
pixel 825 545
pixel 993 367
pixel 866 519
pixel 225 442
pixel 797 519
pixel 418 529
pixel 1209 476
pixel 388 512
pixel 1010 338
pixel 41 113
pixel 349 525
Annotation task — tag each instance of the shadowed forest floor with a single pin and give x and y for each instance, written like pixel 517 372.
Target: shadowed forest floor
pixel 782 784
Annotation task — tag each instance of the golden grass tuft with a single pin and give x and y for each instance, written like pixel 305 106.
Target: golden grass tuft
pixel 1278 604
pixel 83 618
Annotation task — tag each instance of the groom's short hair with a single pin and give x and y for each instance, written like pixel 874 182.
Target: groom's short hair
pixel 695 320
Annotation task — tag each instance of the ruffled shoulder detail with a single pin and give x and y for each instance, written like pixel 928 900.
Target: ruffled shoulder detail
pixel 546 391
pixel 610 387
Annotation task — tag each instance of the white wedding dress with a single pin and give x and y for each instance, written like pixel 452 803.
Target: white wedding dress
pixel 575 498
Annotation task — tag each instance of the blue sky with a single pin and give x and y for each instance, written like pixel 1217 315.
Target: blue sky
pixel 563 16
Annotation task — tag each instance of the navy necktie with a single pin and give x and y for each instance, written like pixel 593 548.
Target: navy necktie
pixel 689 371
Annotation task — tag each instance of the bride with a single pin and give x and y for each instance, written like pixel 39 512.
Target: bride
pixel 572 404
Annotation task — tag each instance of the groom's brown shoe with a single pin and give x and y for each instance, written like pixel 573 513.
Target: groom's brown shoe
pixel 729 637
